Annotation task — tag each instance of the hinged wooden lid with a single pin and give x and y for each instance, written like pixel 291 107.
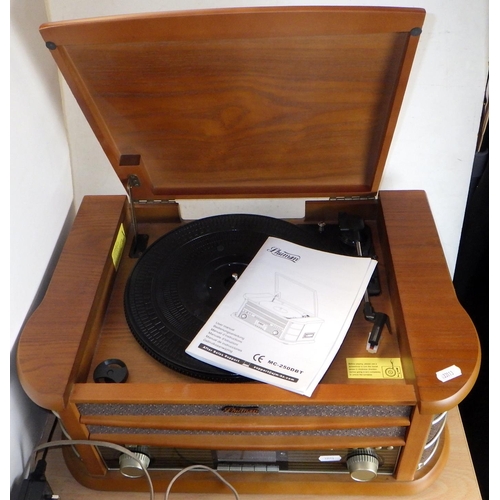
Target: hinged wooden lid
pixel 274 102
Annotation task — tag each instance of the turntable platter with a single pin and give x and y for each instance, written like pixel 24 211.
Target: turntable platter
pixel 183 276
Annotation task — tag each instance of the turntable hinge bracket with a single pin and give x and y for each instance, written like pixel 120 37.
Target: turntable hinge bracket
pixel 140 241
pixel 352 198
pixel 154 202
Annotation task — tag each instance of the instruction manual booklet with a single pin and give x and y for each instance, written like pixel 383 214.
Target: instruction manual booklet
pixel 285 318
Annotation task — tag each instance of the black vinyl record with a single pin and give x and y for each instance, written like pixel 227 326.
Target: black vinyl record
pixel 183 276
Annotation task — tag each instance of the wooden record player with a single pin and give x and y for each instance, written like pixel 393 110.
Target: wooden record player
pixel 249 103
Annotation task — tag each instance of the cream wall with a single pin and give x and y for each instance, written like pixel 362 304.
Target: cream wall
pixel 433 147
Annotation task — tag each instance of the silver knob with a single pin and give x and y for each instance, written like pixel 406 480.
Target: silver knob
pixel 362 464
pixel 130 467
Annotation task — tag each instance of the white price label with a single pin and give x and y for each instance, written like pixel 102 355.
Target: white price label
pixel 449 373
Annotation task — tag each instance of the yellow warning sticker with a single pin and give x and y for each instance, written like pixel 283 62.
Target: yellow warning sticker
pixel 374 368
pixel 117 251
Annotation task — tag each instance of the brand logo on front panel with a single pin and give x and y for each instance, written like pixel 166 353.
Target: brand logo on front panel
pixel 241 409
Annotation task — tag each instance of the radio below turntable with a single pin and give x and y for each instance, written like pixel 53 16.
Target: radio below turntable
pixel 293 102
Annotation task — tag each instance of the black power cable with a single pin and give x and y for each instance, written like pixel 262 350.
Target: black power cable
pixel 36 487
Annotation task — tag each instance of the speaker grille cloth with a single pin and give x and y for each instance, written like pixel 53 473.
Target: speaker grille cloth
pixel 398 432
pixel 263 410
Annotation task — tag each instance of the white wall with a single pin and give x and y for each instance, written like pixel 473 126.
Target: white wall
pixel 433 146
pixel 41 196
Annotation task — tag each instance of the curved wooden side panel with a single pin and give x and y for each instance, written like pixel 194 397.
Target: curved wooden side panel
pixel 438 333
pixel 51 350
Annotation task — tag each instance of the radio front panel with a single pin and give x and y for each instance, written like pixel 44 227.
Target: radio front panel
pixel 325 461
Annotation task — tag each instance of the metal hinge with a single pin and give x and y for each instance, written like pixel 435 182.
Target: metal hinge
pixel 154 202
pixel 353 198
pixel 140 241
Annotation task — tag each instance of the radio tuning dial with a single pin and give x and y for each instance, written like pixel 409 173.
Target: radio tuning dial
pixel 362 464
pixel 130 467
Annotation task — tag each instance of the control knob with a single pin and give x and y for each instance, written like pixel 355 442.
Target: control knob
pixel 362 464
pixel 131 467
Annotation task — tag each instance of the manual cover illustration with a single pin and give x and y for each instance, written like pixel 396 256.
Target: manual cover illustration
pixel 285 318
pixel 289 315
